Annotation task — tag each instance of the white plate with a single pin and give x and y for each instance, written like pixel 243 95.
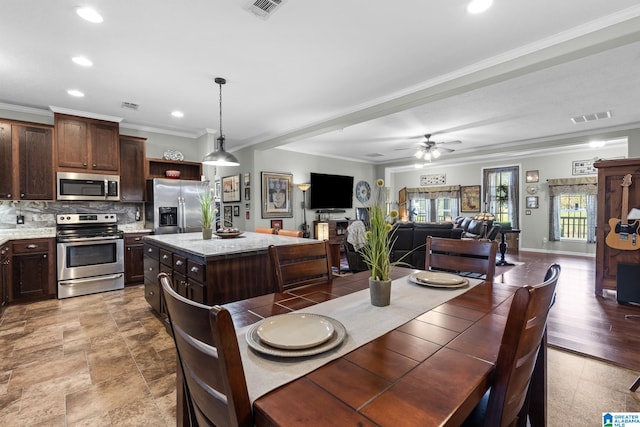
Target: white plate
pixel 438 280
pixel 339 334
pixel 295 331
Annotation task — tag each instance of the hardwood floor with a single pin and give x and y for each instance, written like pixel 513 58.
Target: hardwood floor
pixel 580 321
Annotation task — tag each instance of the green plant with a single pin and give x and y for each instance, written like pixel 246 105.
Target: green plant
pixel 379 237
pixel 206 205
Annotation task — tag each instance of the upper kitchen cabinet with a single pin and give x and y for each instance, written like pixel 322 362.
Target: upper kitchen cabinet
pixel 87 145
pixel 6 162
pixel 132 161
pixel 26 161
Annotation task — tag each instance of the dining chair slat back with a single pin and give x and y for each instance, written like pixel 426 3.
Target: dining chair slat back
pixel 264 230
pixel 209 359
pixel 300 265
pixel 290 233
pixel 462 256
pixel 523 336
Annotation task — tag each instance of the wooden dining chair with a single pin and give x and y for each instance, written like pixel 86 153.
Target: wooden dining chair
pixel 301 264
pixel 209 359
pixel 291 233
pixel 264 230
pixel 462 256
pixel 521 342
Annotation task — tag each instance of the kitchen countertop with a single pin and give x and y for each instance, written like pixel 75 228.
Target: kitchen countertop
pixel 247 242
pixel 36 233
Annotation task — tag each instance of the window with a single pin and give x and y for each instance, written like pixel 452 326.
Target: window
pixel 573 209
pixel 573 216
pixel 501 189
pixel 433 204
pixel 433 210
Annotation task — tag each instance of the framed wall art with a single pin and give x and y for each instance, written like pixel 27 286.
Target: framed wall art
pixel 433 179
pixel 276 224
pixel 276 195
pixel 236 210
pixel 246 179
pixel 583 167
pixel 231 189
pixel 532 202
pixel 228 216
pixel 247 193
pixel 532 176
pixel 470 198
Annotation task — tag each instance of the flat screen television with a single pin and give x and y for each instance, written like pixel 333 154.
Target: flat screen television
pixel 331 191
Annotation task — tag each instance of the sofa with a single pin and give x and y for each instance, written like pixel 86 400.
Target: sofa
pixel 409 240
pixel 476 228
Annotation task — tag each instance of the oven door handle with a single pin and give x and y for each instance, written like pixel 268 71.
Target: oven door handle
pixel 86 239
pixel 90 279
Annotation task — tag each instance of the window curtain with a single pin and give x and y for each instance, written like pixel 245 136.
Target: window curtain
pixel 587 186
pixel 431 194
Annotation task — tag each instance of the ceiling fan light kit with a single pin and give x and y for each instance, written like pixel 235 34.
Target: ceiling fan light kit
pixel 430 149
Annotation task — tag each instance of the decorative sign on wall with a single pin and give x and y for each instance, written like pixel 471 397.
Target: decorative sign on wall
pixel 583 167
pixel 436 178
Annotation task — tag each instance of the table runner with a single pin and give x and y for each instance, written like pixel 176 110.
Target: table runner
pixel 363 321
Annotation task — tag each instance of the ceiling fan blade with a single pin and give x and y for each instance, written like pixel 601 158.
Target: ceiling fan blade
pixel 446 150
pixel 457 141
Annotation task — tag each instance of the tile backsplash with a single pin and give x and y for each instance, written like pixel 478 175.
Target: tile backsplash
pixel 42 214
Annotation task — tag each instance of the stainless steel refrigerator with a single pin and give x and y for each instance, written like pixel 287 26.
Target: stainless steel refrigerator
pixel 173 205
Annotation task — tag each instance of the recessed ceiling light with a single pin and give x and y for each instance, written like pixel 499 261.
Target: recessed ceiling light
pixel 479 6
pixel 76 93
pixel 81 60
pixel 177 114
pixel 89 14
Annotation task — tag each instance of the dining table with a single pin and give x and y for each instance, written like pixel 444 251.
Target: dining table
pixel 427 359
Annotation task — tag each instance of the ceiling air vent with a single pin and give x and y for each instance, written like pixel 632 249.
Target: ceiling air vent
pixel 264 8
pixel 591 117
pixel 130 105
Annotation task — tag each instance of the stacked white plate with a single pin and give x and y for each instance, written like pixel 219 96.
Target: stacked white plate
pixel 437 279
pixel 296 335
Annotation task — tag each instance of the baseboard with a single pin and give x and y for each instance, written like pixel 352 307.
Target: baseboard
pixel 548 251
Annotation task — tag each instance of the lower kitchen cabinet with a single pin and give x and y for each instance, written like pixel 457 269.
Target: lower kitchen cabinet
pixel 133 258
pixel 5 275
pixel 33 269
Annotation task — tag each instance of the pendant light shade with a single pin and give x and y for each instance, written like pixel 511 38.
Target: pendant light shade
pixel 220 157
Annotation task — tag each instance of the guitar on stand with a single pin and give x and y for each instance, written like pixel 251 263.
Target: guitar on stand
pixel 623 236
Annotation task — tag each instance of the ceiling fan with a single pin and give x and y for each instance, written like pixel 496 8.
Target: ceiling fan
pixel 428 149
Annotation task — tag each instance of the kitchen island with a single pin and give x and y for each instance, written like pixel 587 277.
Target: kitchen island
pixel 215 271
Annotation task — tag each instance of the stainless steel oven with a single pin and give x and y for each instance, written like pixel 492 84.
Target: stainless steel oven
pixel 90 254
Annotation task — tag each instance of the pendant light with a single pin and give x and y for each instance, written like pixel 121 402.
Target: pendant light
pixel 220 157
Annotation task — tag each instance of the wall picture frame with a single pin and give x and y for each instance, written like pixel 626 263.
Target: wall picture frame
pixel 247 193
pixel 277 195
pixel 231 189
pixel 470 198
pixel 228 216
pixel 583 167
pixel 532 202
pixel 276 224
pixel 246 178
pixel 532 176
pixel 236 210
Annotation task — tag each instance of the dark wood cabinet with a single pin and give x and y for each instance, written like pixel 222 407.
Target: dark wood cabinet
pixel 133 258
pixel 5 275
pixel 6 162
pixel 87 145
pixel 26 161
pixel 156 168
pixel 35 151
pixel 151 264
pixel 609 205
pixel 33 269
pixel 132 164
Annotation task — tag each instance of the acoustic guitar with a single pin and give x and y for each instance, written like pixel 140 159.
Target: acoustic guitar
pixel 623 235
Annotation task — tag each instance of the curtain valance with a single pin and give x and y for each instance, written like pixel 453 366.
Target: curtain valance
pixel 582 185
pixel 434 192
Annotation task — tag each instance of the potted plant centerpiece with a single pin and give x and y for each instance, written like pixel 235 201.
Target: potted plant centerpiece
pixel 376 251
pixel 208 212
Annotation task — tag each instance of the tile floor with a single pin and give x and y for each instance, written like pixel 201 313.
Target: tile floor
pixel 106 360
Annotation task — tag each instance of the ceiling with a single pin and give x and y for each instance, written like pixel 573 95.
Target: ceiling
pixel 358 79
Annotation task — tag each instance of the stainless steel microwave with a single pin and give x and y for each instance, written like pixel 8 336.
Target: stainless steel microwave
pixel 87 186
